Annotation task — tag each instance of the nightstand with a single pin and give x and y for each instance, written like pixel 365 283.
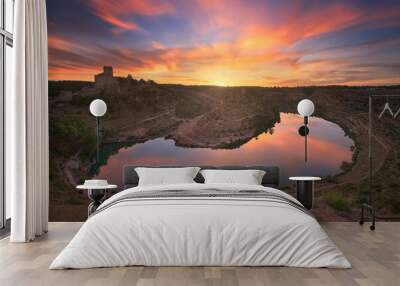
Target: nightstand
pixel 305 190
pixel 96 194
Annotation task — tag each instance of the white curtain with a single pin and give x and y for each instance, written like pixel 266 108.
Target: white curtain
pixel 27 145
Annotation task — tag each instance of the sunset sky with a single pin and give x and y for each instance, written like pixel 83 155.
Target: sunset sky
pixel 227 42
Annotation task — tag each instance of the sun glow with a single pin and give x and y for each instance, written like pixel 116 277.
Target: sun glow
pixel 220 82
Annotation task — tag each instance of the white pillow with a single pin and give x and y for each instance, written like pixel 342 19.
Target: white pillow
pixel 248 177
pixel 165 176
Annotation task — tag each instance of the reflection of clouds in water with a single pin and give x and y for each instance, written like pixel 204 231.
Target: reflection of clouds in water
pixel 328 148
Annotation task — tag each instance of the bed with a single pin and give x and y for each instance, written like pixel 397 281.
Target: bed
pixel 197 224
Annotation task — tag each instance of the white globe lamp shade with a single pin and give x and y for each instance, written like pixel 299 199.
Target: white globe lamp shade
pixel 98 107
pixel 305 107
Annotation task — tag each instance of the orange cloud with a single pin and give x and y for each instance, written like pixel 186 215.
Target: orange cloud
pixel 157 45
pixel 316 22
pixel 149 8
pixel 60 43
pixel 71 73
pixel 114 12
pixel 261 35
pixel 124 25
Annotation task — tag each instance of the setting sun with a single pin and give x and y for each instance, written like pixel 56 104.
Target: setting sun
pixel 220 82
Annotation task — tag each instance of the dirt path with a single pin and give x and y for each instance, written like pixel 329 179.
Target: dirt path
pixel 144 121
pixel 184 132
pixel 210 98
pixel 72 163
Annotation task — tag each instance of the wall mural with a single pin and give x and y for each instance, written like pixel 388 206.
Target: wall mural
pixel 217 82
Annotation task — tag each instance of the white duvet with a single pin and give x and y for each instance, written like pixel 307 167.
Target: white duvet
pixel 193 231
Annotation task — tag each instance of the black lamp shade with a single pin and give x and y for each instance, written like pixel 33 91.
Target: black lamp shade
pixel 304 131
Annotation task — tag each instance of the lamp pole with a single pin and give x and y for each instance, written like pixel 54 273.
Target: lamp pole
pixel 305 109
pixel 305 138
pixel 97 139
pixel 98 108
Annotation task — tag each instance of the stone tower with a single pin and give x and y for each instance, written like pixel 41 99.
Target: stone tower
pixel 106 78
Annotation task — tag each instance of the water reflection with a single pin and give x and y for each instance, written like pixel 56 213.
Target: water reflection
pixel 328 148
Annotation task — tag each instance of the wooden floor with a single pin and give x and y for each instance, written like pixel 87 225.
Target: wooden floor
pixel 375 257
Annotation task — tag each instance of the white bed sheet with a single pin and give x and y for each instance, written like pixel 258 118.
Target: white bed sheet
pixel 202 232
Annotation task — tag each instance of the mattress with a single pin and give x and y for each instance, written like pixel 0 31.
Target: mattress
pixel 201 225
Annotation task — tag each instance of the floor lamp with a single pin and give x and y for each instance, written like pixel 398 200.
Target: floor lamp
pixel 370 206
pixel 305 108
pixel 98 108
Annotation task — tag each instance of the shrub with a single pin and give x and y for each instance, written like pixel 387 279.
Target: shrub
pixel 346 166
pixel 338 201
pixel 70 136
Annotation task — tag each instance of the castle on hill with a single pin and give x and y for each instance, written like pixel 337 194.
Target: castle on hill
pixel 105 79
